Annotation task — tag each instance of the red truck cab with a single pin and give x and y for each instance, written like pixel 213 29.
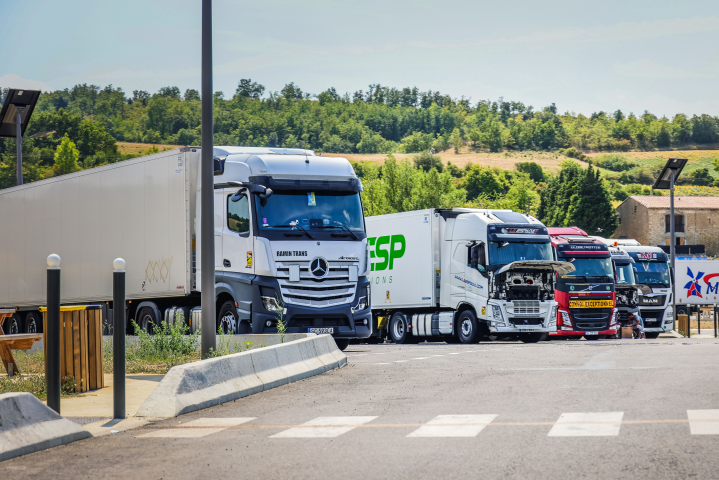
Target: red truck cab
pixel 586 299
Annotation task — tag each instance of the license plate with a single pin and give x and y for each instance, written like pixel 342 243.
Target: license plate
pixel 591 333
pixel 591 304
pixel 321 331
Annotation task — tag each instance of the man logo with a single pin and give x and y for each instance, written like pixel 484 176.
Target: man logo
pixel 319 267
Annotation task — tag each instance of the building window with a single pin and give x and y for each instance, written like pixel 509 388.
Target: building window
pixel 678 223
pixel 678 241
pixel 620 220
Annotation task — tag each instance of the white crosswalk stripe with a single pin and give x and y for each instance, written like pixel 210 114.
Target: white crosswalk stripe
pixel 596 424
pixel 703 422
pixel 197 428
pixel 324 427
pixel 453 426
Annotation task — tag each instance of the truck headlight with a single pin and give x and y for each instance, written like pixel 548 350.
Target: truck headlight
pixel 566 319
pixel 497 315
pixel 614 318
pixel 553 316
pixel 361 305
pixel 270 303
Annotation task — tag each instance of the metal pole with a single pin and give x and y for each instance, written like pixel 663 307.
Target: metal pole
pixel 18 144
pixel 671 247
pixel 699 319
pixel 118 338
pixel 207 234
pixel 715 320
pixel 52 335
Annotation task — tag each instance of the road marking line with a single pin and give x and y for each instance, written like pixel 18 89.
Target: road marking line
pixel 454 354
pixel 420 358
pixel 324 427
pixel 438 355
pixel 200 427
pixel 703 422
pixel 399 361
pixel 453 426
pixel 381 363
pixel 596 424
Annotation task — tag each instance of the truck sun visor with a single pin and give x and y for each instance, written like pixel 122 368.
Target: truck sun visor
pixel 349 185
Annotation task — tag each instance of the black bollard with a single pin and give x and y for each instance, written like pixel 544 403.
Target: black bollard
pixel 52 335
pixel 118 338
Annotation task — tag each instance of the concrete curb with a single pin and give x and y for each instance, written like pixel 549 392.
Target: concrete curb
pixel 195 386
pixel 27 426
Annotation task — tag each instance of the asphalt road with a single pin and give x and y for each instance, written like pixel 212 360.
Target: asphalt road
pixel 561 409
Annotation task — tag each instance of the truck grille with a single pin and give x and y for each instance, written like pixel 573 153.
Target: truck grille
pixel 592 318
pixel 334 289
pixel 523 308
pixel 319 322
pixel 592 326
pixel 652 318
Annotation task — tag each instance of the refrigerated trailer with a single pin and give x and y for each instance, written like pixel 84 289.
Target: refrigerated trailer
pixel 460 274
pixel 289 241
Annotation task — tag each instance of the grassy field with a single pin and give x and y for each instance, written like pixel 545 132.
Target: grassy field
pixel 127 147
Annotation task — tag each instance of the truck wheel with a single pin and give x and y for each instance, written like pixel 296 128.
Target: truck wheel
pixel 33 324
pixel 399 329
pixel 652 334
pixel 342 343
pixel 13 325
pixel 531 337
pixel 147 320
pixel 227 318
pixel 468 331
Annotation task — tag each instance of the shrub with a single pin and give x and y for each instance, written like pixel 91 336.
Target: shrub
pixel 426 161
pixel 533 169
pixel 614 162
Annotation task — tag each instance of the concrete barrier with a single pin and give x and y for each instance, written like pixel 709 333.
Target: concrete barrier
pixel 194 386
pixel 27 425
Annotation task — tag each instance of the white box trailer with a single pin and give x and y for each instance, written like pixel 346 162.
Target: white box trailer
pixel 289 236
pixel 460 274
pixel 139 210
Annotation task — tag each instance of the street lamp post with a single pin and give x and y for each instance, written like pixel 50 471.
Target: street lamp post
pixel 207 189
pixel 666 180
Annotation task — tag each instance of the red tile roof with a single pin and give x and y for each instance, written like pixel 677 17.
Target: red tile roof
pixel 656 201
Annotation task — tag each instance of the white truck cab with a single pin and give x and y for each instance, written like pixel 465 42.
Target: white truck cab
pixel 460 274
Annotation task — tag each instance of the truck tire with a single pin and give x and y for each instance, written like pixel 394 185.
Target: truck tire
pixel 342 343
pixel 227 318
pixel 33 323
pixel 13 325
pixel 468 328
pixel 146 319
pixel 399 329
pixel 531 337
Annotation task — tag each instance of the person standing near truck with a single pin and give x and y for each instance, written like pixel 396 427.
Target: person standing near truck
pixel 635 321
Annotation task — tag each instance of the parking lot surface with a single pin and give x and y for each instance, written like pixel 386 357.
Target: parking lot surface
pixel 560 409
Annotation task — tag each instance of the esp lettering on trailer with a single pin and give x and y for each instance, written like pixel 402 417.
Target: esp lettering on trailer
pixel 389 248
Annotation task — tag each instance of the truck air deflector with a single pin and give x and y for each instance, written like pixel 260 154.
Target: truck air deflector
pixel 561 268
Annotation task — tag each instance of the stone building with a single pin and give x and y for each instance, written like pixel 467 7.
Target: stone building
pixel 646 219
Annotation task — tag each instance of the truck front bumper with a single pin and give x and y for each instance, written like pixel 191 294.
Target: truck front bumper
pixel 539 329
pixel 299 319
pixel 578 333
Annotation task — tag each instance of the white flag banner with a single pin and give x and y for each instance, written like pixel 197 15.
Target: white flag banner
pixel 696 282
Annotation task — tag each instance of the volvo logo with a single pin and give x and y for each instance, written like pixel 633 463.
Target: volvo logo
pixel 319 267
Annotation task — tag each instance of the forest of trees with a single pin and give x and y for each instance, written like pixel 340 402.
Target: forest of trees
pixel 90 120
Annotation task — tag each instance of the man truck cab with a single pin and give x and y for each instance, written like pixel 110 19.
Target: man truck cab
pixel 652 268
pixel 586 298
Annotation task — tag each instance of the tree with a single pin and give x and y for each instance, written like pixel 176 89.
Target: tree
pixel 292 92
pixel 456 140
pixel 482 181
pixel 533 169
pixel 66 156
pixel 249 89
pixel 593 212
pixel 192 95
pixel 427 161
pixel 169 92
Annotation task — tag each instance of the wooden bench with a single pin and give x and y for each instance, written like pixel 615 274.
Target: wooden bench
pixel 8 343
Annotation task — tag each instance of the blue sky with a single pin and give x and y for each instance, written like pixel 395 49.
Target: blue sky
pixel 658 55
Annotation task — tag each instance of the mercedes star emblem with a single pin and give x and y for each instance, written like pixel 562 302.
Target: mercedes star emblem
pixel 319 267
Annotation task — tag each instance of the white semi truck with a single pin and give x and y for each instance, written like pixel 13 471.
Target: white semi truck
pixel 652 269
pixel 289 238
pixel 460 274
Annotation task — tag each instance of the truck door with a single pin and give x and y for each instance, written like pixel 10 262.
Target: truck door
pixel 458 269
pixel 218 221
pixel 237 239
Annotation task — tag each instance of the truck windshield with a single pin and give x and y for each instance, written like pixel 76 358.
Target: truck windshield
pixel 502 253
pixel 625 275
pixel 592 267
pixel 292 209
pixel 654 274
